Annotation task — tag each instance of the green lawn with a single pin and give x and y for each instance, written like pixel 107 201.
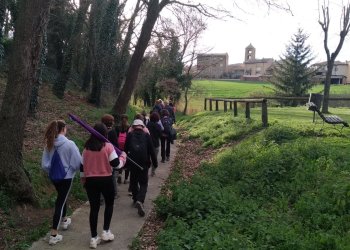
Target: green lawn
pixel 283 187
pixel 209 88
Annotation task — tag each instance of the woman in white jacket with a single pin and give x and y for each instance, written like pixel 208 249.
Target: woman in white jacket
pixel 55 139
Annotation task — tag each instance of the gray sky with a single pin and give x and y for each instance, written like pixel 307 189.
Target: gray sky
pixel 270 31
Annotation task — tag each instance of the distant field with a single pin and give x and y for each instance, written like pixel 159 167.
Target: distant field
pixel 208 88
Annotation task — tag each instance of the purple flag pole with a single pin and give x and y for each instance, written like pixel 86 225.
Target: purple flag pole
pixel 95 133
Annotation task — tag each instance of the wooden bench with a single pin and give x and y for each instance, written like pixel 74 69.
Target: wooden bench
pixel 330 119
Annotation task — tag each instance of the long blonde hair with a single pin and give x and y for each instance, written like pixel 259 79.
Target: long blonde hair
pixel 53 129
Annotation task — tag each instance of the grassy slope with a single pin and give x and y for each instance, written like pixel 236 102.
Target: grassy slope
pixel 209 88
pixel 285 187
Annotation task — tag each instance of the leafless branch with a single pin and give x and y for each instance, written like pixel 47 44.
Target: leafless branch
pixel 205 10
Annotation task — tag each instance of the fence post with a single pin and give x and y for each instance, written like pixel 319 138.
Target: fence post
pixel 210 104
pixel 230 105
pixel 235 113
pixel 247 110
pixel 225 106
pixel 205 104
pixel 264 113
pixel 216 105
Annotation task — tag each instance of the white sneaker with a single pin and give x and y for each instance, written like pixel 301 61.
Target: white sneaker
pixel 54 239
pixel 107 235
pixel 94 242
pixel 65 224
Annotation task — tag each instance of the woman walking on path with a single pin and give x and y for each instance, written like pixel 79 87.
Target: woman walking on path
pixel 55 139
pixel 96 172
pixel 155 132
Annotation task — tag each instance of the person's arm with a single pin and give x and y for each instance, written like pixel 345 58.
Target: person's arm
pixel 82 174
pixel 152 152
pixel 119 162
pixel 113 158
pixel 160 125
pixel 45 161
pixel 75 158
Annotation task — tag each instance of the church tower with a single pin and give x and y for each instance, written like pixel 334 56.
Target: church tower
pixel 249 53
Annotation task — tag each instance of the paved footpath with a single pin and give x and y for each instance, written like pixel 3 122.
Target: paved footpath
pixel 125 225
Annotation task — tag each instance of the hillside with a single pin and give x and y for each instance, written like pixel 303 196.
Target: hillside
pixel 19 225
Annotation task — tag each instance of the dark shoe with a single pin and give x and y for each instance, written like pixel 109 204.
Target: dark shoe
pixel 140 209
pixel 162 161
pixel 167 158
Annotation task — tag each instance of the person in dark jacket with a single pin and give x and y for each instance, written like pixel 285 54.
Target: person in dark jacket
pixel 155 131
pixel 139 148
pixel 170 107
pixel 165 139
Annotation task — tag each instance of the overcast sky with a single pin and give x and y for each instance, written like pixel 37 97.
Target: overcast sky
pixel 270 31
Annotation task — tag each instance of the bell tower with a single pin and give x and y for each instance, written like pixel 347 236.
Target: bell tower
pixel 249 53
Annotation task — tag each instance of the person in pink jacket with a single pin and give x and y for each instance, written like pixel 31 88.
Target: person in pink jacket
pixel 98 158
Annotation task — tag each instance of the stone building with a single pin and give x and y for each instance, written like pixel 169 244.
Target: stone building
pixel 256 69
pixel 340 73
pixel 212 65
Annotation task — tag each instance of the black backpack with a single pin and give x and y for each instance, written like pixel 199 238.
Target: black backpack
pixel 167 123
pixel 138 150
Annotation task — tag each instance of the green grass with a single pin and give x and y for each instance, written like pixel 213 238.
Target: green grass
pixel 284 187
pixel 225 89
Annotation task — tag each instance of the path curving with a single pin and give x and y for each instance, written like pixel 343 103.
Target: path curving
pixel 125 224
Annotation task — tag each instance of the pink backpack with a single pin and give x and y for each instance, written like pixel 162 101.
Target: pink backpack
pixel 121 140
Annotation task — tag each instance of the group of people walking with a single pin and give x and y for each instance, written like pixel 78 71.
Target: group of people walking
pixel 101 167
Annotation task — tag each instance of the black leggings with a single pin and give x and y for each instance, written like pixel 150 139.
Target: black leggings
pixel 164 147
pixel 63 188
pixel 139 183
pixel 95 186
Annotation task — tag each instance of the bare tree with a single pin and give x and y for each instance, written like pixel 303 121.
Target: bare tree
pixel 324 21
pixel 154 8
pixel 30 25
pixel 190 26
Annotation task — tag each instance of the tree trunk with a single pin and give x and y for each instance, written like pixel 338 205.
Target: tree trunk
pixel 186 101
pixel 96 87
pixel 153 11
pixel 2 16
pixel 327 86
pixel 61 81
pixel 24 63
pixel 124 55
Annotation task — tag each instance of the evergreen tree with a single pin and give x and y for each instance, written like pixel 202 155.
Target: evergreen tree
pixel 292 74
